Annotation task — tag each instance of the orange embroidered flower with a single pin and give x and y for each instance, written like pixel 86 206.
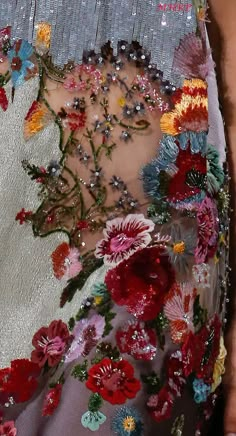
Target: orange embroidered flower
pixel 190 111
pixel 43 37
pixel 37 119
pixel 66 263
pixel 179 311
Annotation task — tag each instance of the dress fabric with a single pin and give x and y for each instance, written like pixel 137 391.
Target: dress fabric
pixel 114 259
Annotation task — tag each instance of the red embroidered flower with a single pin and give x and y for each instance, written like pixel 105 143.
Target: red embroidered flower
pixel 78 120
pixel 66 263
pixel 8 429
pixel 20 380
pixel 174 373
pixel 114 381
pixel 137 340
pixel 141 282
pixel 160 405
pixel 23 215
pixel 186 161
pixel 52 400
pixel 124 236
pixel 200 351
pixel 3 99
pixel 50 344
pixel 208 229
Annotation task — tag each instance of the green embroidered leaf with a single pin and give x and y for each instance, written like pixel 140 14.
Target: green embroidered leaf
pixel 71 323
pixel 199 314
pixel 95 402
pixel 152 382
pixel 80 371
pixel 105 349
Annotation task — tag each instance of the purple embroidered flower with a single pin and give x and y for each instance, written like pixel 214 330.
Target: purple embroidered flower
pixel 122 237
pixel 208 228
pixel 87 333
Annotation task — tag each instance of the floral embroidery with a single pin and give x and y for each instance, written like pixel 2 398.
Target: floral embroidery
pixel 201 275
pixel 141 282
pixel 219 368
pixel 24 216
pixel 137 340
pixel 19 381
pixel 93 420
pixel 179 311
pixel 160 405
pixel 208 229
pixel 3 99
pixel 87 333
pixel 43 38
pixel 50 344
pixel 37 119
pixel 4 42
pixel 201 391
pixel 8 429
pixel 122 237
pixel 66 263
pixel 21 65
pixel 52 400
pixel 114 381
pixel 127 422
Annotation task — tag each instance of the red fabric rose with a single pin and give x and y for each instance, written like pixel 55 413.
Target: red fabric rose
pixel 137 340
pixel 52 400
pixel 141 282
pixel 114 381
pixel 20 380
pixel 160 405
pixel 50 344
pixel 200 351
pixel 8 429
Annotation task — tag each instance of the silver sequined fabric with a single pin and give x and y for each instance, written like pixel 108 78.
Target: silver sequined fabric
pixel 79 25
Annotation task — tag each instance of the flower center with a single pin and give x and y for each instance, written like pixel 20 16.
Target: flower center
pixel 121 242
pixel 112 382
pixel 16 64
pixel 179 247
pixel 129 424
pixel 52 346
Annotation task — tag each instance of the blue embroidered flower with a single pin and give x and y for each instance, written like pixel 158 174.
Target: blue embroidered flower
pixel 201 391
pixel 21 66
pixel 93 420
pixel 127 422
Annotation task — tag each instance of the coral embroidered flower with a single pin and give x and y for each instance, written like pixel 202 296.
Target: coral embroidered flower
pixel 160 405
pixel 23 216
pixel 66 263
pixel 20 380
pixel 191 109
pixel 122 237
pixel 127 422
pixel 8 429
pixel 114 381
pixel 178 310
pixel 3 99
pixel 21 65
pixel 36 120
pixel 87 333
pixel 137 340
pixel 52 400
pixel 208 229
pixel 50 344
pixel 141 282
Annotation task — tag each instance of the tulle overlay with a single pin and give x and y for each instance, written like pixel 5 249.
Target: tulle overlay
pixel 138 241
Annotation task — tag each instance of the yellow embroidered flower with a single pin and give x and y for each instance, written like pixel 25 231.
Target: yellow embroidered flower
pixel 43 37
pixel 219 368
pixel 98 300
pixel 190 111
pixel 121 101
pixel 179 247
pixel 129 424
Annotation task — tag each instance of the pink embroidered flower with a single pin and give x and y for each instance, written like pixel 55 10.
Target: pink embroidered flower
pixel 208 228
pixel 86 334
pixel 160 405
pixel 52 400
pixel 8 429
pixel 66 263
pixel 122 237
pixel 179 311
pixel 137 340
pixel 50 344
